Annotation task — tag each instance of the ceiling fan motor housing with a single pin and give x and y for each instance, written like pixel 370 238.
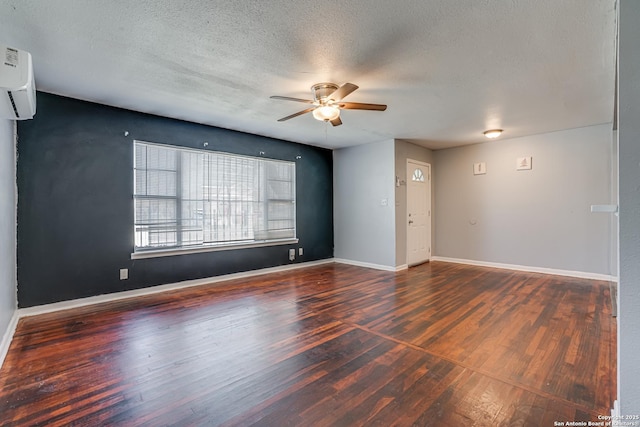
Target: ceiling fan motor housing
pixel 321 92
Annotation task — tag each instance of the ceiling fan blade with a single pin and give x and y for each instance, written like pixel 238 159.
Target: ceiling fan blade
pixel 336 121
pixel 299 113
pixel 286 98
pixel 342 91
pixel 361 106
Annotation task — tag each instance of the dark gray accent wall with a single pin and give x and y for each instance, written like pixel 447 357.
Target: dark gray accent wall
pixel 75 202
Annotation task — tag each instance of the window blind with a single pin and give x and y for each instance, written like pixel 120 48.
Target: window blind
pixel 190 198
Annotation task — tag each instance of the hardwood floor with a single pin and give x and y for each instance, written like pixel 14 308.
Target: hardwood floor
pixel 333 345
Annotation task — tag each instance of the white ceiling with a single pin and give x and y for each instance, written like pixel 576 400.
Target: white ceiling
pixel 448 69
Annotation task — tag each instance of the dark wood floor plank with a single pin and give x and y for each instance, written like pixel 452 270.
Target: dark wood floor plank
pixel 439 344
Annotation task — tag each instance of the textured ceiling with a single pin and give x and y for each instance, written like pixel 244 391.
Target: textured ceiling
pixel 447 69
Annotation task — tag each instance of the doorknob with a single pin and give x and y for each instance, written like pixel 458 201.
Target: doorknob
pixel 410 221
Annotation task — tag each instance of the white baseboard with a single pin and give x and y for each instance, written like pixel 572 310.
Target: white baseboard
pixel 370 265
pixel 7 337
pixel 529 269
pixel 82 302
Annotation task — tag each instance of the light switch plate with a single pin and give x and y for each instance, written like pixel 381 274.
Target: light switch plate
pixel 523 163
pixel 479 168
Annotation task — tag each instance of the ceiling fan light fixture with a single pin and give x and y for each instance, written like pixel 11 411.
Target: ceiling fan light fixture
pixel 326 113
pixel 492 133
pixel 327 103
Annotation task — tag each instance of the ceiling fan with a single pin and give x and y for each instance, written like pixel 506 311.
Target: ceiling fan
pixel 327 102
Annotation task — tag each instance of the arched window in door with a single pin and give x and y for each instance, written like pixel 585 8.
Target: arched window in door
pixel 418 175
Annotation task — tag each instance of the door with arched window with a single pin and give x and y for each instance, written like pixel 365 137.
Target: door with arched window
pixel 418 212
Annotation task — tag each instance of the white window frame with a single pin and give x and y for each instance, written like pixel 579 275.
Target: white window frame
pixel 264 181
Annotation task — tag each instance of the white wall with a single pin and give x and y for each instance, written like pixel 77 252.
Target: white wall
pixel 405 150
pixel 629 194
pixel 537 218
pixel 364 228
pixel 8 302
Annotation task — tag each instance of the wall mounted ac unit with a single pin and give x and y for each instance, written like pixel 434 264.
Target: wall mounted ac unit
pixel 17 87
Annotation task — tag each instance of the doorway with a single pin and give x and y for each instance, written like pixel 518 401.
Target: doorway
pixel 418 212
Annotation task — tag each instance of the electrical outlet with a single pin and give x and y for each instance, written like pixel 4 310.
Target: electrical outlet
pixel 124 273
pixel 292 254
pixel 300 252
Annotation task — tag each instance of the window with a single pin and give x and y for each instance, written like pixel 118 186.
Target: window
pixel 418 176
pixel 203 200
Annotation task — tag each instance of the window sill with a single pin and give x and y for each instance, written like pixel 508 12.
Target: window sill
pixel 213 248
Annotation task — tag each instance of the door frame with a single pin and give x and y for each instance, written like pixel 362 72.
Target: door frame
pixel 408 175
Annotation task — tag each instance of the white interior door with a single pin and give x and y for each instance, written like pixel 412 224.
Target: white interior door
pixel 418 212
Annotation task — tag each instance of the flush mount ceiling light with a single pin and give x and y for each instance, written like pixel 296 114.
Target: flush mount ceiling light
pixel 492 133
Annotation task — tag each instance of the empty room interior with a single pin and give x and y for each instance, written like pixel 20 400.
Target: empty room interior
pixel 335 214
